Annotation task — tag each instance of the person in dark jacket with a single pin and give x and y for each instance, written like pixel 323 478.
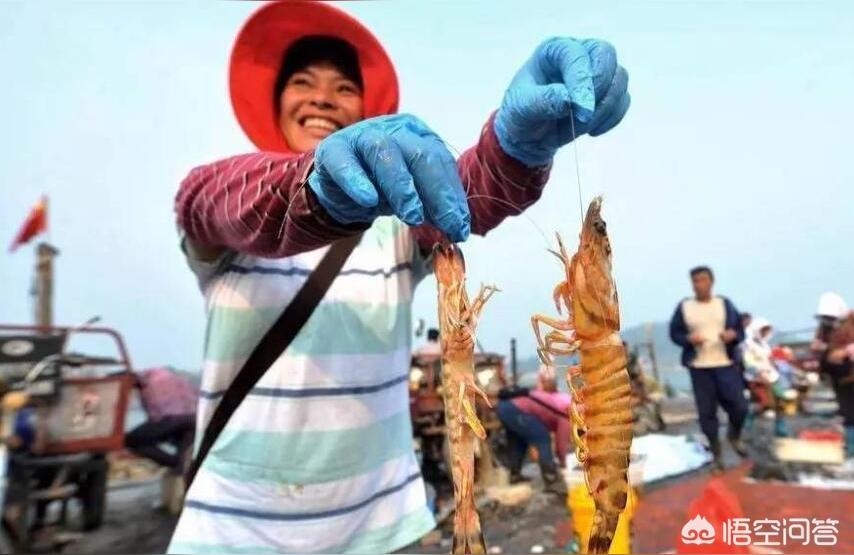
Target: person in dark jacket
pixel 834 345
pixel 708 328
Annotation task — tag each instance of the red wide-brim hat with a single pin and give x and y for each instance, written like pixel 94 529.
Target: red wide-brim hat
pixel 259 50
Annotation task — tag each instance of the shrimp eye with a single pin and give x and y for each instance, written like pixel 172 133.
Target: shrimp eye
pixel 599 226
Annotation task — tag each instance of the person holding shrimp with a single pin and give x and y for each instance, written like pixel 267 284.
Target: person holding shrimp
pixel 318 457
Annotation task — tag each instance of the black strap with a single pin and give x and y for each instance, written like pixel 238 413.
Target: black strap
pixel 274 343
pixel 511 392
pixel 549 407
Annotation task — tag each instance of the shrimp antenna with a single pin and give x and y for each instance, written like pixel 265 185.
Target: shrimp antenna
pixel 557 254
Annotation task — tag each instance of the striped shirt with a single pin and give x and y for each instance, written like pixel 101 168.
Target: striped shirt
pixel 319 456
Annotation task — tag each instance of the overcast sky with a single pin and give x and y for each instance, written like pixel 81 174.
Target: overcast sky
pixel 736 151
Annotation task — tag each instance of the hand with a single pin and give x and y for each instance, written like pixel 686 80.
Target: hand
pixel 567 85
pixel 818 345
pixel 696 339
pixel 390 165
pixel 12 442
pixel 837 356
pixel 728 336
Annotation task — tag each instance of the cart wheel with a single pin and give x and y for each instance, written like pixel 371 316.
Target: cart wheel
pixel 21 534
pixel 5 542
pixel 93 494
pixel 20 509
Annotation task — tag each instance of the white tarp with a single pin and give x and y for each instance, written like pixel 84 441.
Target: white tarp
pixel 662 456
pixel 655 457
pixel 841 477
pixel 823 482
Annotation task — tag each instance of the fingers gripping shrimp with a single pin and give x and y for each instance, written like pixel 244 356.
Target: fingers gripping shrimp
pixel 601 412
pixel 457 322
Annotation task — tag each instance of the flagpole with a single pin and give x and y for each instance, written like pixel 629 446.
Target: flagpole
pixel 46 219
pixel 45 253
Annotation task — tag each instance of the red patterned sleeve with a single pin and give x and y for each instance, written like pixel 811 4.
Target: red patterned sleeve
pixel 256 204
pixel 496 184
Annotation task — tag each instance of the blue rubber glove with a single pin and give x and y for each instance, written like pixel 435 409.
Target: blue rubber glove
pixel 564 78
pixel 390 165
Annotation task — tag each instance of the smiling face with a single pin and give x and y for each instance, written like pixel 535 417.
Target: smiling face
pixel 317 101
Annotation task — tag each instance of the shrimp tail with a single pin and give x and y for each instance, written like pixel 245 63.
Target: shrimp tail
pixel 602 531
pixel 468 537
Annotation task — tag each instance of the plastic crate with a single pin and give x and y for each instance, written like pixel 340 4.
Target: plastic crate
pixel 88 416
pixel 831 436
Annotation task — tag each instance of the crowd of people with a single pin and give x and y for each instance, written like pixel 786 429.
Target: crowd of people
pixel 734 364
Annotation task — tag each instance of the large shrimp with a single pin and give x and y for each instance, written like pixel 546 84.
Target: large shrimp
pixel 457 321
pixel 601 410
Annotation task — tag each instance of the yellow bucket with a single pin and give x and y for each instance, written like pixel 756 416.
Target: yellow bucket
pixel 790 407
pixel 581 505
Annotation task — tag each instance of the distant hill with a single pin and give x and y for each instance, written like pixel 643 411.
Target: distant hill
pixel 667 356
pixel 667 353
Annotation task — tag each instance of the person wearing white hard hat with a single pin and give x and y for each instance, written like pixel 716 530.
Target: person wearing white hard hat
pixel 831 304
pixel 834 344
pixel 830 310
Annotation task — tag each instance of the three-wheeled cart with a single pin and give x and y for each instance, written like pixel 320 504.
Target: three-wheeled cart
pixel 75 414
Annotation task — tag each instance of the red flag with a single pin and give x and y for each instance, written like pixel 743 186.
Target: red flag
pixel 35 223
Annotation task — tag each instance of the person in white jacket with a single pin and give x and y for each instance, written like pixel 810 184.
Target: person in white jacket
pixel 761 373
pixel 756 352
